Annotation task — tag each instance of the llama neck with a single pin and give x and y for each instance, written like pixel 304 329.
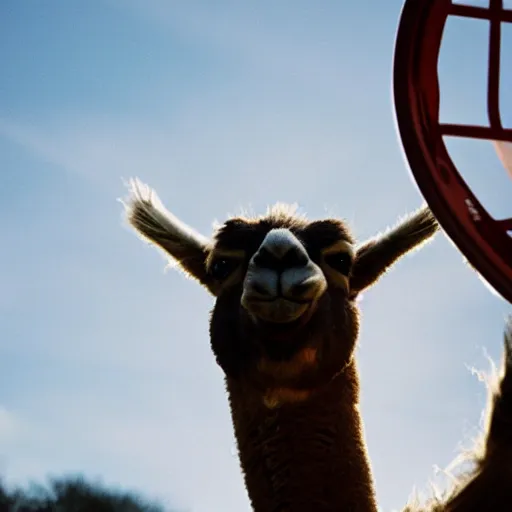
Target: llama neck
pixel 308 456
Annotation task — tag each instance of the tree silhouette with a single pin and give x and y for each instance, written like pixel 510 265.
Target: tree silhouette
pixel 72 495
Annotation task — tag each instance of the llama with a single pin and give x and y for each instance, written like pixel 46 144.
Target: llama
pixel 284 329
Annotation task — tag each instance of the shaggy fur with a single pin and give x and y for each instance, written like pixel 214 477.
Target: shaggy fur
pixel 487 485
pixel 293 387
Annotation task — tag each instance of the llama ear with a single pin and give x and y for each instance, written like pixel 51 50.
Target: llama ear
pixel 154 223
pixel 375 256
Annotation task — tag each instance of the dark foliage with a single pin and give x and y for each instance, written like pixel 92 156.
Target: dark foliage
pixel 72 495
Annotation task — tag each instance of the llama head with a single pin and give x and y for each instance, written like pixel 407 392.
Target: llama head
pixel 285 319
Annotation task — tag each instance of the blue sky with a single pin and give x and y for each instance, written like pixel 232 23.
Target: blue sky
pixel 105 366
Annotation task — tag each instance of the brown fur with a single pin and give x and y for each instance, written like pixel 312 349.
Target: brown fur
pixel 487 485
pixel 293 390
pixel 306 456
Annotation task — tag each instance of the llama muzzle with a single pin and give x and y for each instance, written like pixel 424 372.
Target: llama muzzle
pixel 282 282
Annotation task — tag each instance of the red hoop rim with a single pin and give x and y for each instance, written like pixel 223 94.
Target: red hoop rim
pixel 482 239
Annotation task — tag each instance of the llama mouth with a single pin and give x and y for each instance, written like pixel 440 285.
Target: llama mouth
pixel 277 312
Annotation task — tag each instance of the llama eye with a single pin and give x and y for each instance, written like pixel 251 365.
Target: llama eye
pixel 339 261
pixel 223 267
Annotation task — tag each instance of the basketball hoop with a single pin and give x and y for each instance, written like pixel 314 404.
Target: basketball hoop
pixel 485 241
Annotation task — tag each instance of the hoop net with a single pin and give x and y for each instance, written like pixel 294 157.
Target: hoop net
pixel 485 241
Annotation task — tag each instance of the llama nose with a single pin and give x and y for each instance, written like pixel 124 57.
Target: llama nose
pixel 279 241
pixel 280 250
pixel 293 256
pixel 282 268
